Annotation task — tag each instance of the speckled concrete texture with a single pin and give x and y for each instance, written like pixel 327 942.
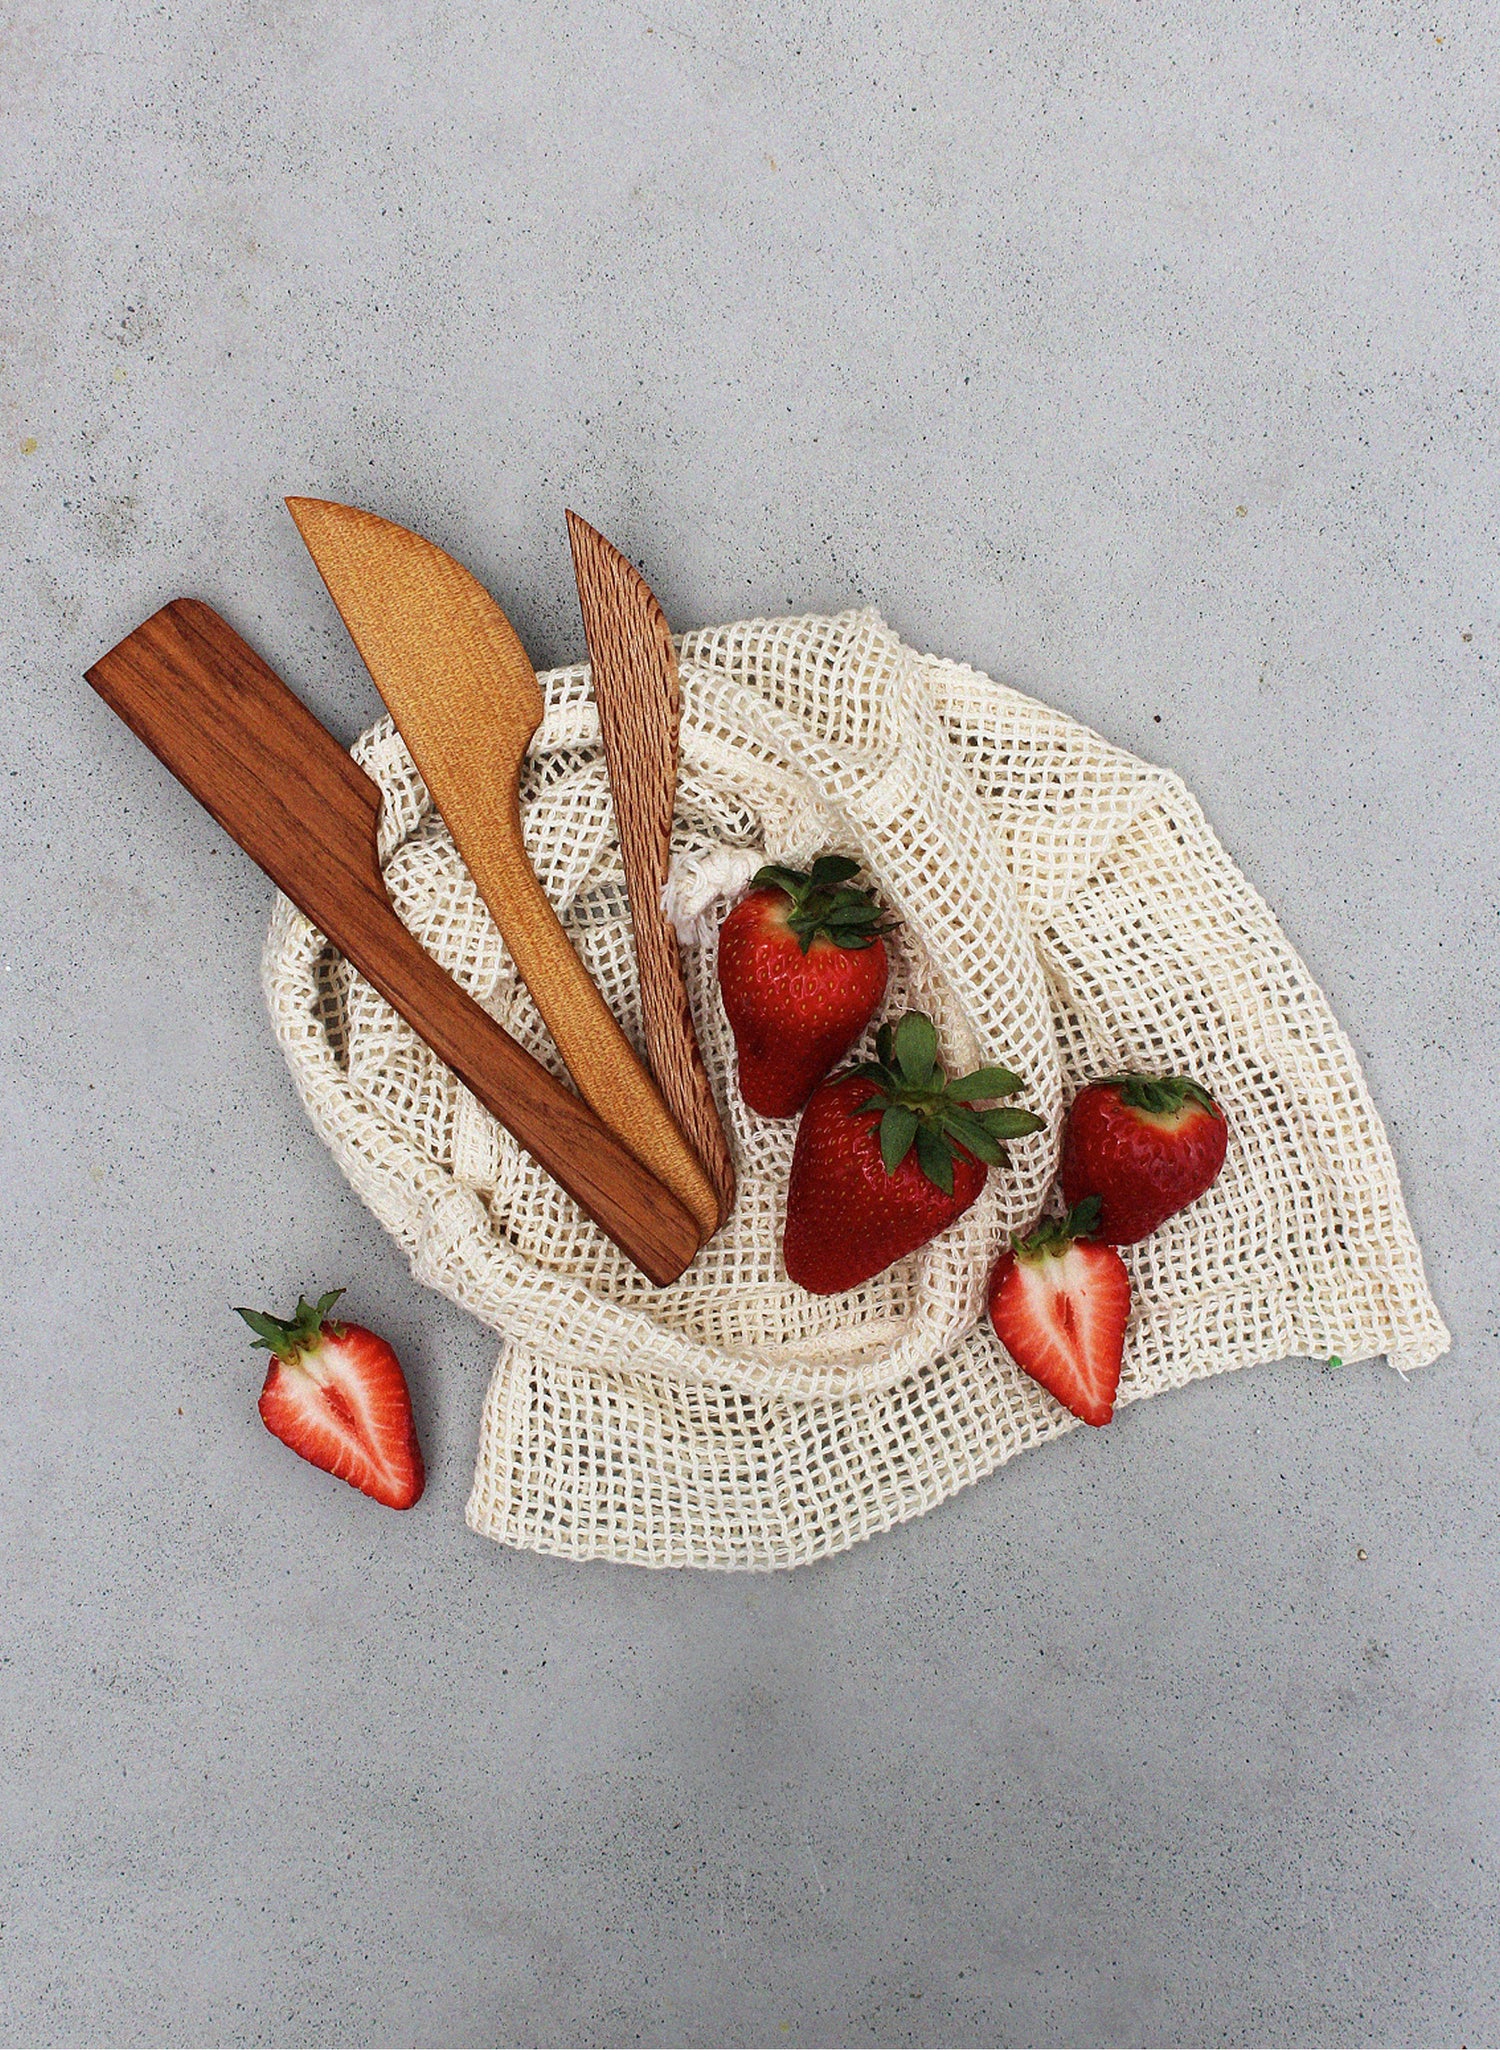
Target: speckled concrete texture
pixel 1143 356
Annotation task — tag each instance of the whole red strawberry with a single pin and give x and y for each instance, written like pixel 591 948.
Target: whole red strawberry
pixel 336 1394
pixel 888 1156
pixel 1146 1146
pixel 802 969
pixel 1059 1304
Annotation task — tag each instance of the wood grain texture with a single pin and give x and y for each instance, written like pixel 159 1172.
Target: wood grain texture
pixel 450 667
pixel 639 696
pixel 280 784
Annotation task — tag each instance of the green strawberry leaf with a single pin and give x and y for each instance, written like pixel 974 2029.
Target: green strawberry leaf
pixel 934 1158
pixel 1004 1122
pixel 286 1338
pixel 831 869
pixel 897 1130
pixel 1161 1095
pixel 270 1331
pixel 774 877
pixel 823 904
pixel 916 1050
pixel 843 903
pixel 983 1084
pixel 970 1132
pixel 918 1106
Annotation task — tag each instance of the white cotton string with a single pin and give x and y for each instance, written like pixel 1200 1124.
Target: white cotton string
pixel 702 889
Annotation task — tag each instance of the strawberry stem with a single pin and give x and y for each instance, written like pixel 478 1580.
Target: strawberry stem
pixel 1160 1095
pixel 823 904
pixel 1056 1234
pixel 919 1107
pixel 290 1338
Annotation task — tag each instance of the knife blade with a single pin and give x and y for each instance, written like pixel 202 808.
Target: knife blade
pixel 452 670
pixel 638 693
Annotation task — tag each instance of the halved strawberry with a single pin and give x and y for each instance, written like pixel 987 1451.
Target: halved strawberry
pixel 1059 1304
pixel 336 1394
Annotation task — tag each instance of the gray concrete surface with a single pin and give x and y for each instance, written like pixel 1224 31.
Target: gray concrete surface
pixel 1145 357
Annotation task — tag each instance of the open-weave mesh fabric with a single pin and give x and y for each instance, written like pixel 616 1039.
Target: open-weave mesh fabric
pixel 1064 909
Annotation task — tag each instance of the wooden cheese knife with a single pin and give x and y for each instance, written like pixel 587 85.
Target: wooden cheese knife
pixel 280 784
pixel 639 696
pixel 449 665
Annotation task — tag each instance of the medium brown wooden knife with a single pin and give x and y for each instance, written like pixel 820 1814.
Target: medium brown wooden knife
pixel 638 692
pixel 280 784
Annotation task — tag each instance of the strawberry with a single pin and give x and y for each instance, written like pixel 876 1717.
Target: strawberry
pixel 802 969
pixel 1145 1146
pixel 889 1155
pixel 1058 1302
pixel 336 1394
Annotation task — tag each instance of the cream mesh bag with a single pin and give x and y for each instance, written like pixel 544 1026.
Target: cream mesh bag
pixel 1064 910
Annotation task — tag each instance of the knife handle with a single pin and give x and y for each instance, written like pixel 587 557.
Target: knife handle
pixel 608 1071
pixel 671 1040
pixel 282 787
pixel 643 1217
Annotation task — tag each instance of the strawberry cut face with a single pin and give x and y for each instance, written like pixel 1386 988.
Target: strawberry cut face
pixel 1059 1303
pixel 1065 1317
pixel 335 1394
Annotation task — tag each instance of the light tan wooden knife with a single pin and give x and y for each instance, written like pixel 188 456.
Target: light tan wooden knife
pixel 456 679
pixel 639 696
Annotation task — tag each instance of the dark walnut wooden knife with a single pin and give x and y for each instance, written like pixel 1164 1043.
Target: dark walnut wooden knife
pixel 280 784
